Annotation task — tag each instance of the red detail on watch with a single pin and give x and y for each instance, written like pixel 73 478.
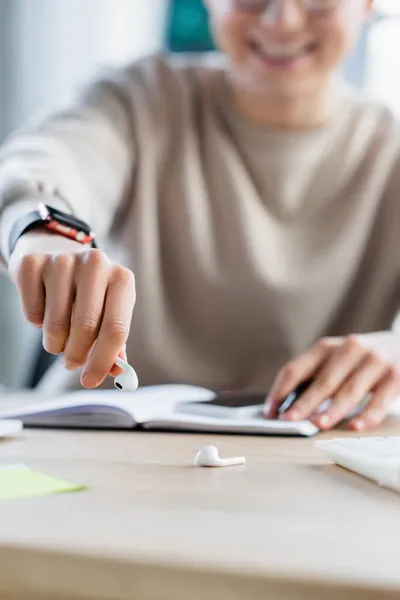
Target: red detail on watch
pixel 73 234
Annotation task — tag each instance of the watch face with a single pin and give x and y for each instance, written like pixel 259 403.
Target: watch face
pixel 68 220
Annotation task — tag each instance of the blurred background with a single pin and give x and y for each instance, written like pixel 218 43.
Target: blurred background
pixel 48 48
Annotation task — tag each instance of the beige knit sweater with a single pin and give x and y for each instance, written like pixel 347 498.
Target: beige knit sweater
pixel 248 244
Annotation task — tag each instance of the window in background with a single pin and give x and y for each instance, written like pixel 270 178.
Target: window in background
pixel 382 57
pixel 54 46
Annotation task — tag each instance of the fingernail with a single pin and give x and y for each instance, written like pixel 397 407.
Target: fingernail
pixel 66 363
pixel 292 415
pixel 323 421
pixel 88 381
pixel 69 366
pixel 375 416
pixel 358 424
pixel 267 407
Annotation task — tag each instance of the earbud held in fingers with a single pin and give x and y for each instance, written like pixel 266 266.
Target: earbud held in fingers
pixel 128 380
pixel 209 457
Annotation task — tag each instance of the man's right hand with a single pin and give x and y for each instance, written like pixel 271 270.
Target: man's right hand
pixel 79 298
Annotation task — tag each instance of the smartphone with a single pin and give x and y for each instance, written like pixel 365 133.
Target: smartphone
pixel 228 405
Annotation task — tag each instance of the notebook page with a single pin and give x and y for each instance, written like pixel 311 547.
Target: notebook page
pixel 146 403
pixel 154 402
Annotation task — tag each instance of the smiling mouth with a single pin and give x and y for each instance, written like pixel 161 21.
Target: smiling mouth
pixel 281 55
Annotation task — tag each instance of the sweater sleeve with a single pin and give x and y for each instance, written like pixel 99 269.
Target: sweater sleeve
pixel 79 160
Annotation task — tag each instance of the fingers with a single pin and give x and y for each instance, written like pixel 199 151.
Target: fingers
pixel 345 372
pixel 331 376
pixel 92 279
pixel 84 305
pixel 114 329
pixel 353 391
pixel 58 279
pixel 297 371
pixel 29 282
pixel 378 407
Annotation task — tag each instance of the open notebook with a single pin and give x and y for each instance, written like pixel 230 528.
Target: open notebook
pixel 151 408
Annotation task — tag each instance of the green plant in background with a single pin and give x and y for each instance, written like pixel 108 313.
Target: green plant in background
pixel 188 28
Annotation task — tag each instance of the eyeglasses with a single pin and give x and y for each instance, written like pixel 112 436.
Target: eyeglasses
pixel 311 6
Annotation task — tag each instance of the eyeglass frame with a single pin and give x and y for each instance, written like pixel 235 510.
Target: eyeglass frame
pixel 331 6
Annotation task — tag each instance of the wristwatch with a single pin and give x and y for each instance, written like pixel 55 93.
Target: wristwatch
pixel 54 220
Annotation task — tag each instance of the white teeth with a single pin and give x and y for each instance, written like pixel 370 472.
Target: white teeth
pixel 281 52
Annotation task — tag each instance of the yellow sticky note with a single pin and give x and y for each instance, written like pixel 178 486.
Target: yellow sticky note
pixel 24 483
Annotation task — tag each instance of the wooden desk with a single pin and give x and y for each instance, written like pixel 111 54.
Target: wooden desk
pixel 151 527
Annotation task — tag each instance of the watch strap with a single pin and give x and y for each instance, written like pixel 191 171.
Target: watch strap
pixel 54 220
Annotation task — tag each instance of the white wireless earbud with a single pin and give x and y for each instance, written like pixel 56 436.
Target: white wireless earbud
pixel 128 380
pixel 209 457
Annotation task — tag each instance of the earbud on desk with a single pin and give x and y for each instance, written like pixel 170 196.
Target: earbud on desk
pixel 209 457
